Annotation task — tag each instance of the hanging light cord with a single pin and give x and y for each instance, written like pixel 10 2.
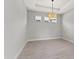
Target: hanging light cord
pixel 52 6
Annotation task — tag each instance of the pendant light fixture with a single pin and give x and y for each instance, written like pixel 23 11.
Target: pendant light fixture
pixel 52 15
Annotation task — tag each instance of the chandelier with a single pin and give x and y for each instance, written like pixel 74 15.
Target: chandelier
pixel 52 15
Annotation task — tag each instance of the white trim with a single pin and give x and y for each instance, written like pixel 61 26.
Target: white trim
pixel 49 38
pixel 20 50
pixel 72 41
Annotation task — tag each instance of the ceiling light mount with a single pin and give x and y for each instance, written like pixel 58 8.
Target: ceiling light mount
pixel 52 0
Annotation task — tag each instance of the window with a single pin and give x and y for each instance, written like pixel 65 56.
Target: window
pixel 38 18
pixel 46 19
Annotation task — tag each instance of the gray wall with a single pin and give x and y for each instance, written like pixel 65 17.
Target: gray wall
pixel 68 25
pixel 14 27
pixel 42 29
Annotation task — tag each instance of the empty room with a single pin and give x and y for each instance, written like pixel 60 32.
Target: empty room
pixel 39 29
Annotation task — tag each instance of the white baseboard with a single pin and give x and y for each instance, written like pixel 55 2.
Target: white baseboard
pixel 48 38
pixel 20 50
pixel 70 40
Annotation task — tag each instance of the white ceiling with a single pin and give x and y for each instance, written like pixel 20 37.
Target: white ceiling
pixel 60 6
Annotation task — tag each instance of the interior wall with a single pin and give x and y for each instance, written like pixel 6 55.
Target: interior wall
pixel 15 27
pixel 68 25
pixel 39 30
